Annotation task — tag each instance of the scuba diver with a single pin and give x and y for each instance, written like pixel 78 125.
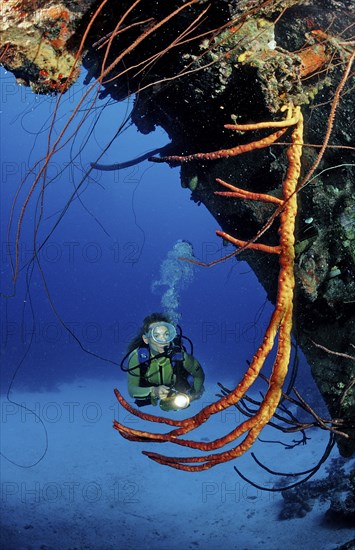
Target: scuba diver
pixel 159 367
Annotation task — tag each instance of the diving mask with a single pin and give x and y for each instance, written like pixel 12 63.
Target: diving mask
pixel 162 333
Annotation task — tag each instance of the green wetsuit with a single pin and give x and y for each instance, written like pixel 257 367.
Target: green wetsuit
pixel 160 372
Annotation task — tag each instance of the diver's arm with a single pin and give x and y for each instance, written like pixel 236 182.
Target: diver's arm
pixel 142 392
pixel 194 368
pixel 134 389
pixel 137 391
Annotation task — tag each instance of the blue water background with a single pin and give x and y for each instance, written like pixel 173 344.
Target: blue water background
pixel 100 261
pixel 100 252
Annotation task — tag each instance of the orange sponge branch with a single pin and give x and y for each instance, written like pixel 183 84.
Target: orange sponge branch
pixel 278 330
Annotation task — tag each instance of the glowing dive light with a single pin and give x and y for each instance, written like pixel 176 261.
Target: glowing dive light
pixel 181 400
pixel 175 401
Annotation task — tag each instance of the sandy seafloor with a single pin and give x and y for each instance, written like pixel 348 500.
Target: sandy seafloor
pixel 95 490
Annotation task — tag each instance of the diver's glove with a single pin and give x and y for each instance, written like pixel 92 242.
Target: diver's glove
pixel 159 392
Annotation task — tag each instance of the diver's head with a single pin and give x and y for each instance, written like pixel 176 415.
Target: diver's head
pixel 139 339
pixel 159 335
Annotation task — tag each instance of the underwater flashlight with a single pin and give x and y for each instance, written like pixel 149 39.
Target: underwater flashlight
pixel 181 400
pixel 175 401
